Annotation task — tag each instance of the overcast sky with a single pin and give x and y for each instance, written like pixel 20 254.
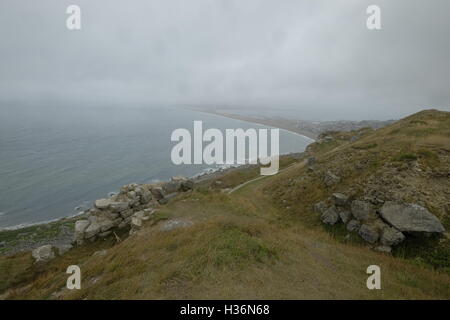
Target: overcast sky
pixel 314 57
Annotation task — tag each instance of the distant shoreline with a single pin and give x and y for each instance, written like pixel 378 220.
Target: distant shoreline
pixel 267 122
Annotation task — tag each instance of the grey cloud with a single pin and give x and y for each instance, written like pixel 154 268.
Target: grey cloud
pixel 313 57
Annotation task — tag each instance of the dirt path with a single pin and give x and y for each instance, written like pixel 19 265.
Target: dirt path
pixel 262 177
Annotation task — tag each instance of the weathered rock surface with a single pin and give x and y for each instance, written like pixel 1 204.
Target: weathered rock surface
pixel 340 199
pixel 391 237
pixel 43 254
pixel 353 225
pixel 92 230
pixel 320 207
pixel 330 216
pixel 133 205
pixel 331 179
pixel 167 198
pixel 363 211
pixel 102 203
pixel 410 218
pixel 345 215
pixel 369 233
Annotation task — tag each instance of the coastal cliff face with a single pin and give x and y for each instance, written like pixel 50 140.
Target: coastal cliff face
pixel 353 199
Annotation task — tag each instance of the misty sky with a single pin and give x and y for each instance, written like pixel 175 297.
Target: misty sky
pixel 315 58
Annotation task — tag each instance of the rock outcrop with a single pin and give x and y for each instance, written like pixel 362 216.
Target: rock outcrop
pixel 386 226
pixel 410 218
pixel 133 205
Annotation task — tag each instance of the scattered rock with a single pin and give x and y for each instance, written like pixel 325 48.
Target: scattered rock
pixel 175 224
pixel 410 218
pixel 369 233
pixel 331 179
pixel 100 253
pixel 330 216
pixel 320 207
pixel 43 254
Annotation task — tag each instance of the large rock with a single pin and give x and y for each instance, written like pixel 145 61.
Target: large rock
pixel 369 233
pixel 410 218
pixel 43 254
pixel 102 203
pixel 311 163
pixel 330 216
pixel 363 211
pixel 391 237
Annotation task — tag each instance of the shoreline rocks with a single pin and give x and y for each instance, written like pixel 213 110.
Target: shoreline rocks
pixel 133 205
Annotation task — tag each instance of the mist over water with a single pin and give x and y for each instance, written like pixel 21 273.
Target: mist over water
pixel 55 159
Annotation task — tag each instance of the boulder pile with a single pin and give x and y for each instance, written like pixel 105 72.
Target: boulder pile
pixel 382 226
pixel 133 205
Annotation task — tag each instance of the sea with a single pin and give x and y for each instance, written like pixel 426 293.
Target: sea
pixel 56 160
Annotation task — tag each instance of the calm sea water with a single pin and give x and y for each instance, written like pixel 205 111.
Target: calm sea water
pixel 53 160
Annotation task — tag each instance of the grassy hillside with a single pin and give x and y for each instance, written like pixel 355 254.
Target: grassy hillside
pixel 264 241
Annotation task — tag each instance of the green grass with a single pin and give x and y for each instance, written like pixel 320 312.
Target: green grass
pixel 407 157
pixel 365 146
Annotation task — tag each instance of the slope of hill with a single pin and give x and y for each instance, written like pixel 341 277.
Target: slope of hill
pixel 265 240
